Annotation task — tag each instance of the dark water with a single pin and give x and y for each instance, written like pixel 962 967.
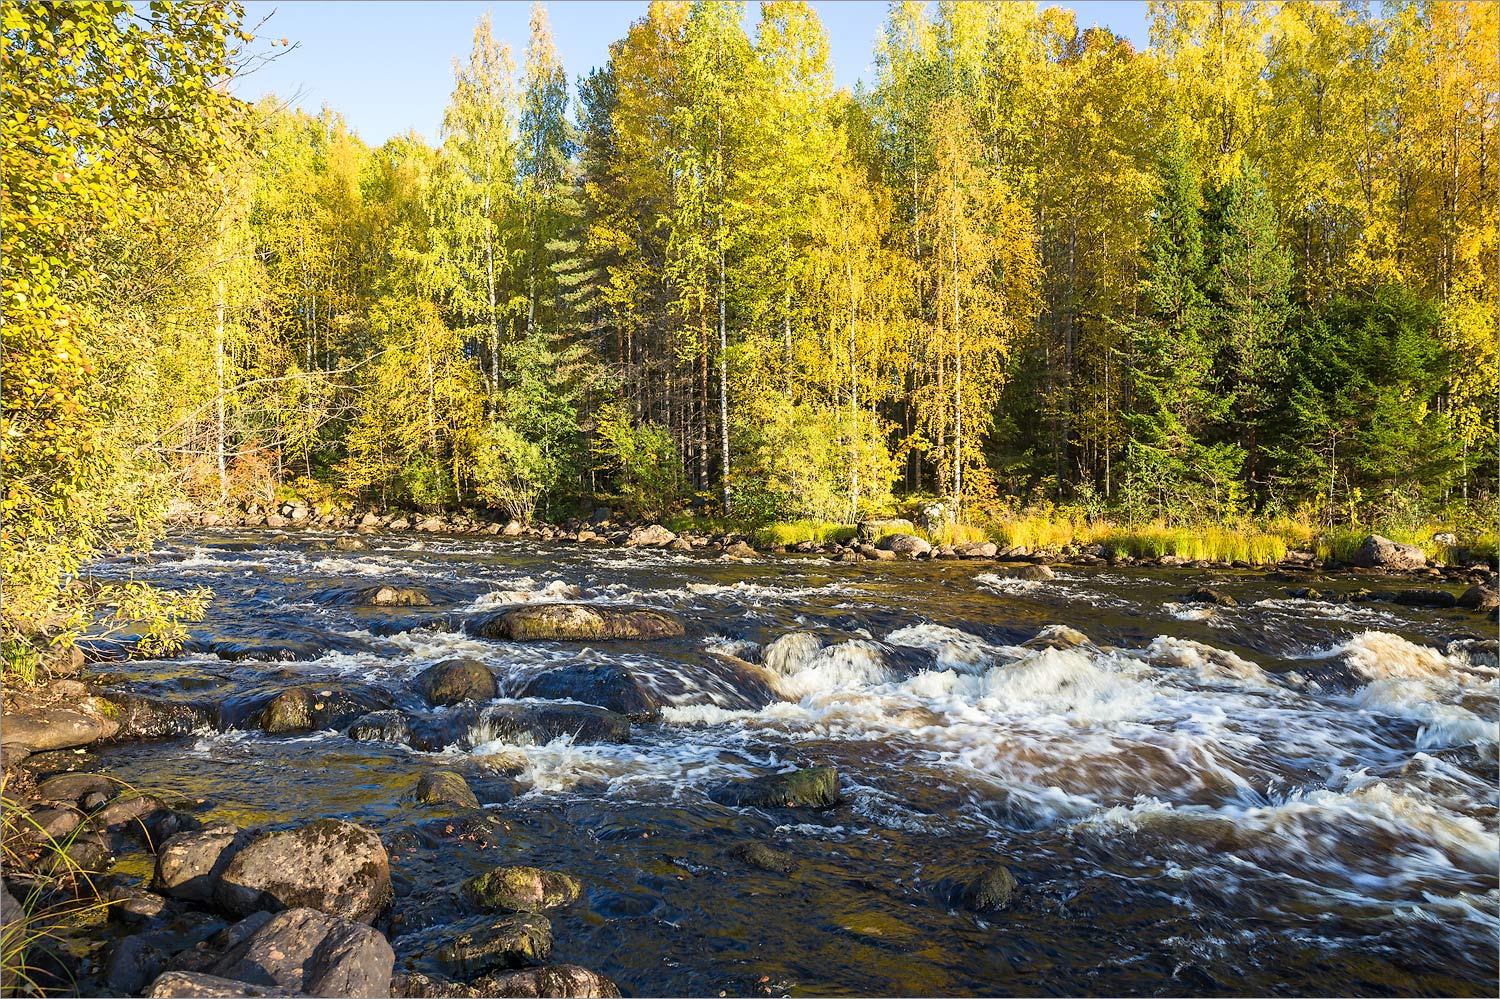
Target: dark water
pixel 1285 798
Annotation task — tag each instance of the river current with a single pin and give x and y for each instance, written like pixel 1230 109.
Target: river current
pixel 1285 797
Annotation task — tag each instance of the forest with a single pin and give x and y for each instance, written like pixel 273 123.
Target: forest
pixel 1243 278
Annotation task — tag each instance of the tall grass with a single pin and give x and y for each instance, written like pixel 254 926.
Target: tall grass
pixel 792 532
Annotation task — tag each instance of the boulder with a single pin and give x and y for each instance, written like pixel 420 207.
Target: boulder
pixel 350 543
pixel 1208 595
pixel 577 622
pixel 1480 597
pixel 813 787
pixel 654 536
pixel 72 788
pixel 976 549
pixel 904 545
pixel 444 787
pixel 54 728
pixel 990 890
pixel 739 549
pixel 482 943
pixel 330 865
pixel 1377 552
pixel 1056 636
pixel 869 530
pixel 1039 573
pixel 310 952
pixel 192 984
pixel 457 680
pixel 934 516
pixel 521 889
pixel 763 857
pixel 381 726
pixel 393 596
pixel 1426 598
pixel 566 981
pixel 512 529
pixel 314 706
pixel 189 864
pixel 151 718
pixel 608 685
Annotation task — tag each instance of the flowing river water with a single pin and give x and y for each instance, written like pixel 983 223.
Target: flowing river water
pixel 1285 797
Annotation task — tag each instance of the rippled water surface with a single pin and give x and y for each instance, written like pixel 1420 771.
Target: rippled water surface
pixel 1285 797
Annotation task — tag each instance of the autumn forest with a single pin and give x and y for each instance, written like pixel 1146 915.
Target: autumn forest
pixel 1248 273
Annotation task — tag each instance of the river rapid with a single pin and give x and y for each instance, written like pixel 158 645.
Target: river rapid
pixel 1286 797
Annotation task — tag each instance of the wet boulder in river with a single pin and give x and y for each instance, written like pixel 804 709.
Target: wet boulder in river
pixel 152 718
pixel 481 943
pixel 381 726
pixel 992 889
pixel 577 622
pixel 763 857
pixel 1056 636
pixel 333 866
pixel 607 685
pixel 314 706
pixel 1036 573
pixel 1480 598
pixel 1426 598
pixel 563 981
pixel 904 545
pixel 444 787
pixel 521 889
pixel 186 984
pixel 457 680
pixel 1208 595
pixel 813 787
pixel 1377 552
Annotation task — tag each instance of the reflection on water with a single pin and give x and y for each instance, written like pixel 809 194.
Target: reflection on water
pixel 1284 797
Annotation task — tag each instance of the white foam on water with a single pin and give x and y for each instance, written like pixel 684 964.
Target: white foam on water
pixel 790 652
pixel 742 648
pixel 847 665
pixel 527 590
pixel 956 650
pixel 1453 697
pixel 1191 612
pixel 1350 612
pixel 1210 663
pixel 1010 586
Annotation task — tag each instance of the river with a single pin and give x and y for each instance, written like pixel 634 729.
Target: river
pixel 1285 797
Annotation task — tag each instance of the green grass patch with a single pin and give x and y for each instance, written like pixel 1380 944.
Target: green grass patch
pixel 793 532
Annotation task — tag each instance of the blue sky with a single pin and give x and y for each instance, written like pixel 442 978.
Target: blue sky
pixel 387 66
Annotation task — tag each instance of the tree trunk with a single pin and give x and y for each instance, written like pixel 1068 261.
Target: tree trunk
pixel 219 395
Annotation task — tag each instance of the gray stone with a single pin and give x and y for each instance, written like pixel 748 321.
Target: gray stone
pixel 1377 552
pixel 54 728
pixel 302 950
pixel 904 545
pixel 654 536
pixel 336 867
pixel 990 890
pixel 192 984
pixel 189 864
pixel 577 622
pixel 483 943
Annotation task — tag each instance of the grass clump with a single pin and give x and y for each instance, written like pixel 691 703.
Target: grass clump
pixel 792 532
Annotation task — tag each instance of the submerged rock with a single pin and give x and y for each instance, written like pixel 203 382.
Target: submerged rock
pixel 333 866
pixel 481 943
pixel 457 680
pixel 563 981
pixel 522 889
pixel 444 787
pixel 813 787
pixel 763 857
pixel 992 889
pixel 607 685
pixel 577 622
pixel 1377 552
pixel 469 725
pixel 1056 636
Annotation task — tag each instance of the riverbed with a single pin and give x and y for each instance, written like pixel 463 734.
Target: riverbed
pixel 1289 796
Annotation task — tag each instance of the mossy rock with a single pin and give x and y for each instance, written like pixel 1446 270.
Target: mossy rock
pixel 813 787
pixel 763 857
pixel 992 889
pixel 578 622
pixel 444 787
pixel 522 889
pixel 487 942
pixel 313 706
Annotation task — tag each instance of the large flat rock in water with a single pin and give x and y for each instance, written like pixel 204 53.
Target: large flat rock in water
pixel 577 622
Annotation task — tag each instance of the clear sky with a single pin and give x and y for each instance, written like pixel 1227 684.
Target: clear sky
pixel 388 66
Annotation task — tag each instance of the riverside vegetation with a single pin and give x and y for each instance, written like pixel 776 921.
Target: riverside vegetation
pixel 1031 303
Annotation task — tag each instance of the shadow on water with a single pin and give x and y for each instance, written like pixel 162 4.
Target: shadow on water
pixel 1284 797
